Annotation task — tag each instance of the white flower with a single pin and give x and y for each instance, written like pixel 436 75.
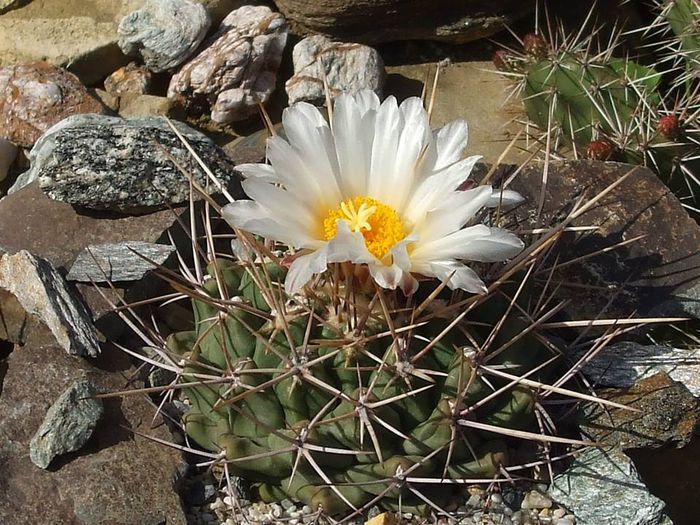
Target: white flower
pixel 376 187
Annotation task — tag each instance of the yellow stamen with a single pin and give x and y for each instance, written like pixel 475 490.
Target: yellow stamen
pixel 379 224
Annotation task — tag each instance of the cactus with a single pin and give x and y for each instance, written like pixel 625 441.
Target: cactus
pixel 325 406
pixel 615 108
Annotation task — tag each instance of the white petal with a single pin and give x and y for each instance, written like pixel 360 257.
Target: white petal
pixel 353 130
pixel 348 246
pixel 258 171
pixel 436 188
pixel 397 274
pixel 281 205
pixel 413 141
pixel 254 218
pixel 454 212
pixel 303 269
pixel 389 277
pixel 504 198
pixel 459 275
pixel 310 136
pixel 476 243
pixel 388 124
pixel 450 141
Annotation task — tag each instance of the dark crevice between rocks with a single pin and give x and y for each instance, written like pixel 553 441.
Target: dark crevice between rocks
pixel 673 475
pixel 5 351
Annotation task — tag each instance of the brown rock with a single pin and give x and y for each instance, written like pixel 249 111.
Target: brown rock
pixel 387 20
pixel 56 231
pixel 635 278
pixel 132 78
pixel 117 478
pixel 37 96
pixel 666 413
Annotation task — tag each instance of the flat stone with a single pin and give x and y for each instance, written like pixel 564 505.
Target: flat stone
pixel 602 486
pixel 132 78
pixel 43 292
pixel 164 33
pixel 68 424
pixel 346 68
pixel 667 414
pixel 15 322
pixel 491 120
pixel 127 261
pixel 621 365
pixel 237 67
pixel 117 477
pixel 37 96
pixel 108 163
pixel 637 277
pixel 387 20
pixel 58 232
pixel 82 45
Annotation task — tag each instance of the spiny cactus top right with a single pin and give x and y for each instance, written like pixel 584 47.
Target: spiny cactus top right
pixel 605 105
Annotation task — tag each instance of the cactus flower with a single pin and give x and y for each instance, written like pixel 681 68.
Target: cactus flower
pixel 376 187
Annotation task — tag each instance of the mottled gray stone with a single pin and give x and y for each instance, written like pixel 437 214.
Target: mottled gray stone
pixel 604 487
pixel 43 292
pixel 126 261
pixel 68 424
pixel 623 364
pixel 346 67
pixel 237 69
pixel 164 33
pixel 108 163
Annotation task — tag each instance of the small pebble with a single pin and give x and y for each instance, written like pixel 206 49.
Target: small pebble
pixel 496 498
pixel 535 500
pixel 564 521
pixel 558 513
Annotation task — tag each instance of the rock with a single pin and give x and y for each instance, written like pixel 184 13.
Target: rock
pixel 602 486
pixel 132 78
pixel 132 105
pixel 385 518
pixel 118 477
pixel 621 365
pixel 6 5
pixel 43 292
pixel 636 277
pixel 126 261
pixel 346 68
pixel 68 424
pixel 237 68
pixel 387 20
pixel 8 153
pixel 16 323
pixel 164 33
pixel 535 500
pixel 108 163
pixel 219 9
pixel 37 96
pixel 667 415
pixel 58 232
pixel 81 44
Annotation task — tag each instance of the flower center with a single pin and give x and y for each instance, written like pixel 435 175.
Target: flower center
pixel 378 223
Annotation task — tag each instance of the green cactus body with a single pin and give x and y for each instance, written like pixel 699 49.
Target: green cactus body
pixel 311 397
pixel 683 17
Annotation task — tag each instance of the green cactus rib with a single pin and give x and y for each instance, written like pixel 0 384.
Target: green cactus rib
pixel 314 413
pixel 683 17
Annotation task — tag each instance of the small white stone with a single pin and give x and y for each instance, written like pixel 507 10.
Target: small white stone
pixel 558 513
pixel 496 498
pixel 217 504
pixel 228 500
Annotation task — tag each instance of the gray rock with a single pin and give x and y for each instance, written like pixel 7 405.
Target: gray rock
pixel 604 487
pixel 346 68
pixel 237 69
pixel 8 153
pixel 68 424
pixel 623 364
pixel 164 33
pixel 43 292
pixel 125 261
pixel 108 163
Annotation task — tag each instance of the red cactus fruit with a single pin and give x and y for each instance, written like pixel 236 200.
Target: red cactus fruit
pixel 503 60
pixel 601 149
pixel 669 126
pixel 535 46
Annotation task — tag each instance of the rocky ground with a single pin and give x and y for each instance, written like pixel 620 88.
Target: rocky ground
pixel 93 196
